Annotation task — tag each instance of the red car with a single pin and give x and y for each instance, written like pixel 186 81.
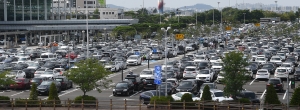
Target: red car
pixel 72 55
pixel 20 84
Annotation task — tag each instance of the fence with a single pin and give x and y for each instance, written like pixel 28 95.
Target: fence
pixel 24 104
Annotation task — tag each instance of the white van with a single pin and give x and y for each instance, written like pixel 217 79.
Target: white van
pixel 48 56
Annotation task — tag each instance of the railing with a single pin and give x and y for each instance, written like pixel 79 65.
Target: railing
pixel 24 104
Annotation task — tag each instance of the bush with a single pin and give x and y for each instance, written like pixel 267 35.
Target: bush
pixel 206 96
pixel 244 100
pixel 295 100
pixel 33 92
pixel 271 96
pixel 30 103
pixel 53 96
pixel 86 99
pixel 161 99
pixel 4 99
pixel 187 98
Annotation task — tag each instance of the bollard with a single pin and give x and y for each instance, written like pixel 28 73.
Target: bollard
pixel 40 104
pixel 214 105
pixel 169 105
pixel 82 104
pixel 125 105
pixel 26 104
pixel 243 107
pixel 68 104
pixel 110 104
pixel 54 104
pixel 228 108
pixel 140 105
pixel 154 105
pixel 12 104
pixel 97 104
pixel 199 105
pixel 184 105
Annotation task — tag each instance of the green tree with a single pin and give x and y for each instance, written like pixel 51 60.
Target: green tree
pixel 271 95
pixel 6 81
pixel 256 15
pixel 53 95
pixel 187 97
pixel 33 93
pixel 206 94
pixel 235 74
pixel 87 74
pixel 296 97
pixel 96 14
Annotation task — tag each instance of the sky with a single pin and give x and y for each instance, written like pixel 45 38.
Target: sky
pixel 181 3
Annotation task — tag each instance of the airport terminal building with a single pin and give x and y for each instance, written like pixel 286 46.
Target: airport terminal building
pixel 35 21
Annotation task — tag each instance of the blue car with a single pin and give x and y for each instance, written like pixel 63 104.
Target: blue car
pixel 146 96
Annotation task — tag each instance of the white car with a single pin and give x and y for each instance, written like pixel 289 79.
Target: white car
pixel 281 72
pixel 134 60
pixel 220 77
pixel 217 66
pixel 261 60
pixel 16 74
pixel 288 66
pixel 50 74
pixel 218 95
pixel 178 96
pixel 206 75
pixel 250 73
pixel 147 73
pixel 282 56
pixel 112 66
pixel 215 59
pixel 190 72
pixel 173 81
pixel 276 59
pixel 200 58
pixel 262 74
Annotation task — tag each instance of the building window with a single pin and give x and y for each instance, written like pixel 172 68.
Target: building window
pixel 113 12
pixel 90 2
pixel 104 13
pixel 84 2
pixel 109 12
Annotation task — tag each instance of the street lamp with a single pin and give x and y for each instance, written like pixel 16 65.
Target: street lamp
pixel 166 32
pixel 244 17
pixel 83 36
pixel 104 34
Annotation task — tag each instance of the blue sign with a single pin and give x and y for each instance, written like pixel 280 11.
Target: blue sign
pixel 137 53
pixel 154 50
pixel 157 74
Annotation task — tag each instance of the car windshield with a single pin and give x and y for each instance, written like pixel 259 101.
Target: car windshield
pixel 260 59
pixel 48 72
pixel 285 65
pixel 290 59
pixel 46 82
pixel 217 64
pixel 275 59
pixel 204 72
pixel 36 80
pixel 281 70
pixel 200 58
pixel 163 85
pixel 268 66
pixel 121 85
pixel 211 86
pixel 219 94
pixel 147 72
pixel 274 81
pixel 133 58
pixel 190 69
pixel 262 71
pixel 214 58
pixel 185 84
pixel 203 64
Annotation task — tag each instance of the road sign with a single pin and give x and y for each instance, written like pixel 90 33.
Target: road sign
pixel 137 53
pixel 154 50
pixel 257 24
pixel 228 28
pixel 179 36
pixel 157 74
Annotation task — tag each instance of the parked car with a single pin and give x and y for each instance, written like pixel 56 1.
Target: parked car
pixel 44 87
pixel 277 83
pixel 250 95
pixel 123 88
pixel 65 82
pixel 262 74
pixel 21 83
pixel 146 96
pixel 38 80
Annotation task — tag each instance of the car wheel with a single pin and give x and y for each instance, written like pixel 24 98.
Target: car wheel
pixel 71 85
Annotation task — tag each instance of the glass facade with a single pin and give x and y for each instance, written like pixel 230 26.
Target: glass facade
pixel 15 9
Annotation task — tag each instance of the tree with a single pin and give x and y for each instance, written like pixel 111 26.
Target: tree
pixel 206 94
pixel 296 97
pixel 53 95
pixel 271 96
pixel 6 81
pixel 96 14
pixel 235 74
pixel 33 93
pixel 87 74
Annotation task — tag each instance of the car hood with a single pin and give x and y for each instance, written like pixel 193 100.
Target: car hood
pixel 275 61
pixel 46 75
pixel 146 76
pixel 43 87
pixel 216 67
pixel 183 88
pixel 220 99
pixel 108 66
pixel 131 60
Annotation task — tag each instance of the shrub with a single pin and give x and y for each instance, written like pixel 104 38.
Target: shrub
pixel 295 100
pixel 244 100
pixel 271 96
pixel 33 93
pixel 86 99
pixel 161 99
pixel 4 99
pixel 30 103
pixel 187 98
pixel 53 96
pixel 206 94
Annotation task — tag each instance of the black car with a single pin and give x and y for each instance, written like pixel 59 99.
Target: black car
pixel 170 88
pixel 146 96
pixel 270 67
pixel 50 65
pixel 135 80
pixel 187 86
pixel 123 88
pixel 148 84
pixel 291 59
pixel 297 74
pixel 44 87
pixel 254 67
pixel 65 82
pixel 204 64
pixel 250 95
pixel 35 54
pixel 168 74
pixel 277 83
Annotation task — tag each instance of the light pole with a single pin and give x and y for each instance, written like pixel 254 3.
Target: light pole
pixel 244 17
pixel 276 6
pixel 166 32
pixel 87 29
pixel 83 36
pixel 104 34
pixel 213 16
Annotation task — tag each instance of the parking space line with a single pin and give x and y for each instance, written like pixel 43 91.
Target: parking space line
pixel 252 81
pixel 63 93
pixel 289 83
pixel 284 95
pixel 17 93
pixel 135 93
pixel 262 96
pixel 110 95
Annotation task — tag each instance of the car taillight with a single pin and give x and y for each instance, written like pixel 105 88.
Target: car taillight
pixel 279 85
pixel 184 72
pixel 268 84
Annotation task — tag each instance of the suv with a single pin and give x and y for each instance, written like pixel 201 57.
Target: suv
pixel 65 82
pixel 123 88
pixel 297 74
pixel 277 83
pixel 135 80
pixel 148 84
pixel 250 95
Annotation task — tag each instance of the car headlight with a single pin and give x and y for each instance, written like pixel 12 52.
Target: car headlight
pixel 207 77
pixel 125 90
pixel 177 89
pixel 114 89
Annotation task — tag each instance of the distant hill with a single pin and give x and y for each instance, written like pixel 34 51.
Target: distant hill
pixel 114 6
pixel 197 6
